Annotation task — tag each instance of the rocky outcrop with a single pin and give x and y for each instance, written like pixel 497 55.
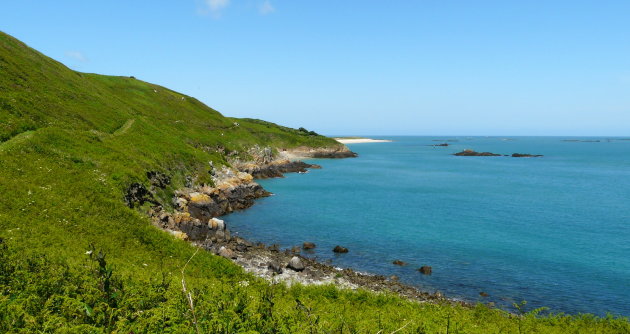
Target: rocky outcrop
pixel 525 155
pixel 399 263
pixel 234 191
pixel 196 208
pixel 471 153
pixel 276 168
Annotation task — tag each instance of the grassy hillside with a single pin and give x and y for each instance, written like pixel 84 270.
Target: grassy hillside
pixel 75 258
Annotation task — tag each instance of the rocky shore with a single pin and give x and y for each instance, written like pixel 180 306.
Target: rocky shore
pixel 194 220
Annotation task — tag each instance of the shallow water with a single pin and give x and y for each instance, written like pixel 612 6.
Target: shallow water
pixel 554 231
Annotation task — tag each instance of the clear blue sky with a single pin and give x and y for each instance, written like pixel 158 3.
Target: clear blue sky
pixel 434 67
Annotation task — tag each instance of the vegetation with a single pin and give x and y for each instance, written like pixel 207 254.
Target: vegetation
pixel 75 259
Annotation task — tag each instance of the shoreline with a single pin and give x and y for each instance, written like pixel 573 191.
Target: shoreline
pixel 361 140
pixel 271 263
pixel 195 220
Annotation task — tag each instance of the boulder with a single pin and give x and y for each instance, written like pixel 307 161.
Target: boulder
pixel 226 253
pixel 308 245
pixel 295 250
pixel 483 294
pixel 216 224
pixel 274 267
pixel 296 264
pixel 425 270
pixel 340 249
pixel 399 263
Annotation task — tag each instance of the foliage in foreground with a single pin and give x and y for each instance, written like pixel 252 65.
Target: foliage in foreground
pixel 39 295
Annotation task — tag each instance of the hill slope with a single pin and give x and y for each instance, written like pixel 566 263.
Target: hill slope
pixel 75 258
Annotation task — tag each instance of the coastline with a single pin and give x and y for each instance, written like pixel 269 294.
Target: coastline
pixel 361 140
pixel 195 220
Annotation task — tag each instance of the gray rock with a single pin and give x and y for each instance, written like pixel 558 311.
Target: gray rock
pixel 216 224
pixel 296 264
pixel 274 267
pixel 226 253
pixel 241 241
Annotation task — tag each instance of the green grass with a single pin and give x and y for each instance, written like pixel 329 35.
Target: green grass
pixel 71 143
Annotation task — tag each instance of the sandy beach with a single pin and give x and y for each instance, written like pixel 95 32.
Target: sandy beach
pixel 361 140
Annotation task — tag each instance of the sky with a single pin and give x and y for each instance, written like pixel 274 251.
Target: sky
pixel 434 67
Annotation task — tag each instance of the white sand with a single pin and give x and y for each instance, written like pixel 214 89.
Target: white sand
pixel 361 140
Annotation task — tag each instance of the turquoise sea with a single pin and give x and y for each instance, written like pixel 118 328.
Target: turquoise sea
pixel 554 230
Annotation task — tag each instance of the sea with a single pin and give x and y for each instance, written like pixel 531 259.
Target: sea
pixel 553 231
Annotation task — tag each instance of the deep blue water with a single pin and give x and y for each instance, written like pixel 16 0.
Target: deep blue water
pixel 554 231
